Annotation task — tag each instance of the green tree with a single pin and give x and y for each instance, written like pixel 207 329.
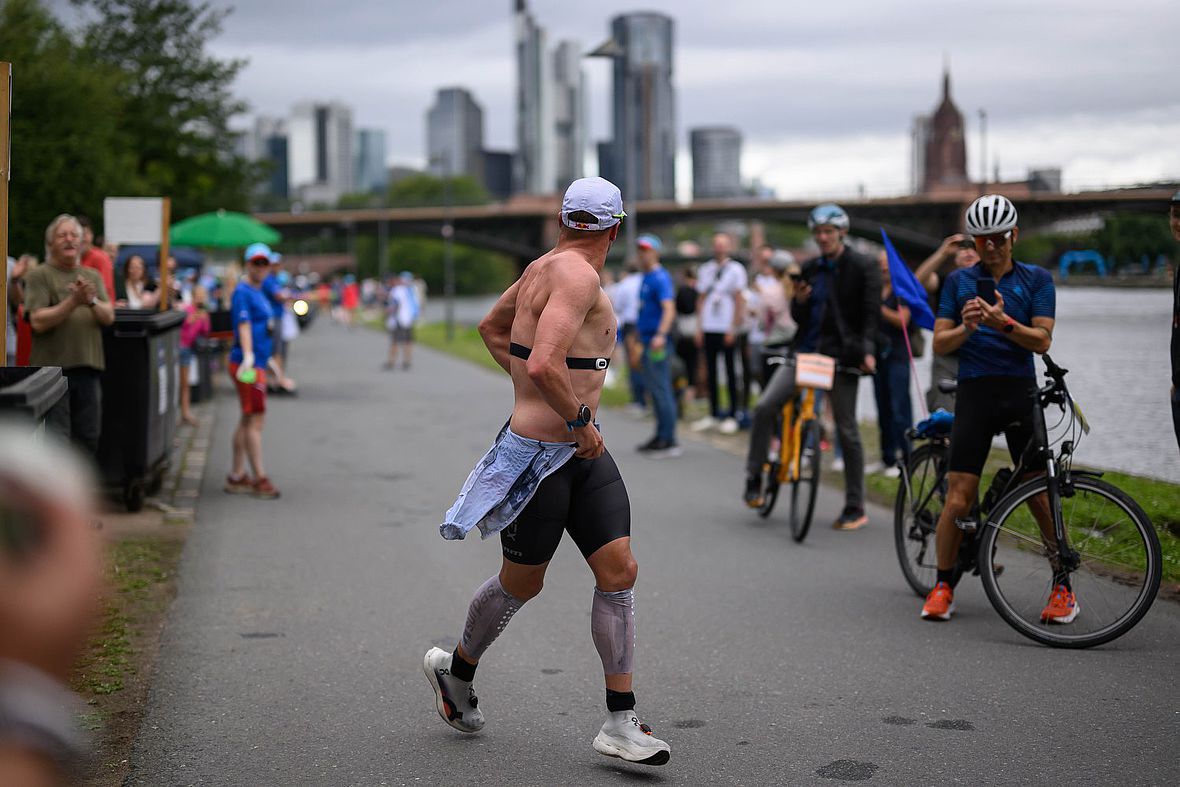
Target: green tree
pixel 1126 237
pixel 427 190
pixel 67 148
pixel 177 100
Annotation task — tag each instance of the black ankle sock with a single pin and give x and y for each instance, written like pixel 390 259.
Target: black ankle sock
pixel 947 576
pixel 620 700
pixel 461 668
pixel 1062 579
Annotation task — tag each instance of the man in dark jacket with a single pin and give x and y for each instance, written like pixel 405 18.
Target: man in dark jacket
pixel 835 306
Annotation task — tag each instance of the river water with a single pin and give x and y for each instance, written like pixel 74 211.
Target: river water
pixel 1114 342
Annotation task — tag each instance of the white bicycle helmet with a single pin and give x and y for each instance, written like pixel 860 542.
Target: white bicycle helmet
pixel 828 213
pixel 991 214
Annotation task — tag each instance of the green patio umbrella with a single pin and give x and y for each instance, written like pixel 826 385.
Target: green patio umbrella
pixel 224 229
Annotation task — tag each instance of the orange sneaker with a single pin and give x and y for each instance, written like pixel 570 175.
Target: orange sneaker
pixel 1063 606
pixel 940 603
pixel 238 486
pixel 265 489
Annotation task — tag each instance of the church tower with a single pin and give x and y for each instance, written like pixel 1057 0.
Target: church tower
pixel 946 147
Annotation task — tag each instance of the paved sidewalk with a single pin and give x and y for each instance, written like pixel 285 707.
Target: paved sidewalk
pixel 294 648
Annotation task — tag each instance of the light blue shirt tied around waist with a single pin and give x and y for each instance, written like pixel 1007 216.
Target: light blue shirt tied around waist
pixel 503 483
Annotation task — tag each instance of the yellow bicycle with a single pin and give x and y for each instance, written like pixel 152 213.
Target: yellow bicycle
pixel 796 459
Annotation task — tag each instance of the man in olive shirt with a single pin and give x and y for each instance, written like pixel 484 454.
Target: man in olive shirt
pixel 67 305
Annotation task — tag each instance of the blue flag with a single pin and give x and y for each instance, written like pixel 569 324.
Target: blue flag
pixel 909 290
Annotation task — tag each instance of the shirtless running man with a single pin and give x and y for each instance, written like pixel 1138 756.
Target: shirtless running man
pixel 549 472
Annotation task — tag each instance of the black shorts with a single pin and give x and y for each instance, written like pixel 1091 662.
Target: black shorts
pixel 984 407
pixel 587 497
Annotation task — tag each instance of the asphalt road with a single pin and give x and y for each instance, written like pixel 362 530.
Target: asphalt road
pixel 292 655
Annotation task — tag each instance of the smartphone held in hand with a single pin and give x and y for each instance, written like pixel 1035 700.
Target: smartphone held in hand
pixel 985 290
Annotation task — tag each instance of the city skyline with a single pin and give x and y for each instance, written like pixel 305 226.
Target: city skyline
pixel 822 108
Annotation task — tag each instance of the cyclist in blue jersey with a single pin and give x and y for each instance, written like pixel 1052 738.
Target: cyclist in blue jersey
pixel 995 314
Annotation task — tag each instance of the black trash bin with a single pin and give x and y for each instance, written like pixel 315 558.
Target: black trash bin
pixel 139 401
pixel 29 393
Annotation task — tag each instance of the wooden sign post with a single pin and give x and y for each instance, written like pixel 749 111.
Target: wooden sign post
pixel 165 250
pixel 5 176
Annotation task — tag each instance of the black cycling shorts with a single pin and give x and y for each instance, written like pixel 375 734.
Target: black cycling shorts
pixel 587 497
pixel 984 407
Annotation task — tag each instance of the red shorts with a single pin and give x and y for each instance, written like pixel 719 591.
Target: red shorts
pixel 251 395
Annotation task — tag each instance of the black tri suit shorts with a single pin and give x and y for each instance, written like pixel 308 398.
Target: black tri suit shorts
pixel 586 497
pixel 984 407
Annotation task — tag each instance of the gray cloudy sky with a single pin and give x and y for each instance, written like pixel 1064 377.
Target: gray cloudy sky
pixel 823 92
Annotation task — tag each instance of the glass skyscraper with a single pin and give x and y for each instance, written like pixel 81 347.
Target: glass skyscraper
pixel 644 108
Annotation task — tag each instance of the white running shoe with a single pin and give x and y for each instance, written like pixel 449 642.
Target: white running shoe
pixel 837 465
pixel 893 471
pixel 728 426
pixel 454 698
pixel 704 424
pixel 624 737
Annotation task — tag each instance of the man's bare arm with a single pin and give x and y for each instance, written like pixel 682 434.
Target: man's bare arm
pixel 949 337
pixel 496 327
pixel 574 293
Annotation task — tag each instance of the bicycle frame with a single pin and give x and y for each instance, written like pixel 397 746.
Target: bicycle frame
pixel 791 450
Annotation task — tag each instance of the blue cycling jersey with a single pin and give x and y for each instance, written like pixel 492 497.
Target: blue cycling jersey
pixel 1027 291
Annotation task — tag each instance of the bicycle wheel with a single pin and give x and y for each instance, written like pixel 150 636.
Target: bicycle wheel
pixel 1118 571
pixel 770 495
pixel 804 489
pixel 915 516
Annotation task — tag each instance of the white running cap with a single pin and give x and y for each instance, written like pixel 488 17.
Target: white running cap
pixel 596 196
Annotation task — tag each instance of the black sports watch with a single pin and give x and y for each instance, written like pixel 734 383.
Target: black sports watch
pixel 585 418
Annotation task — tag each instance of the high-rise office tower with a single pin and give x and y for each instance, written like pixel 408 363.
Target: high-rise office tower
pixel 716 162
pixel 535 163
pixel 454 135
pixel 644 106
pixel 919 134
pixel 319 152
pixel 569 114
pixel 268 143
pixel 370 173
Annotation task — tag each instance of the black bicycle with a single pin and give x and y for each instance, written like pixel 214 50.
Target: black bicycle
pixel 1024 535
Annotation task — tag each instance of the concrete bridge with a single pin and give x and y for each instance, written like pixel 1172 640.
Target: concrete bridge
pixel 524 228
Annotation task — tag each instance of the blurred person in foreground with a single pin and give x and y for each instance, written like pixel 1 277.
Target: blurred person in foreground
pixel 956 252
pixel 67 306
pixel 253 320
pixel 549 472
pixel 657 313
pixel 50 594
pixel 1174 223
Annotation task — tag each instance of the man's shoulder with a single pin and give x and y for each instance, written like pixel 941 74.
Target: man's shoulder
pixel 1034 273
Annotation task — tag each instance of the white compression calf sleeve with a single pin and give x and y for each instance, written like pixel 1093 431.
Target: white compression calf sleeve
pixel 490 610
pixel 612 625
